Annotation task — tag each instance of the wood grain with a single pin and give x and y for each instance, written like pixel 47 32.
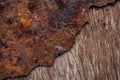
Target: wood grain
pixel 96 55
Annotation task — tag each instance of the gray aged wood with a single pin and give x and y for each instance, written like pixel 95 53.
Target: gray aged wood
pixel 96 55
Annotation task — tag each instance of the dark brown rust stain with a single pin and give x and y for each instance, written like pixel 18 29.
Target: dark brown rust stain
pixel 35 32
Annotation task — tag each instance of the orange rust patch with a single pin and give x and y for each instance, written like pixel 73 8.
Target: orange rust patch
pixel 26 23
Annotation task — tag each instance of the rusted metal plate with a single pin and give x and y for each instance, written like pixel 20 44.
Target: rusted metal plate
pixel 35 32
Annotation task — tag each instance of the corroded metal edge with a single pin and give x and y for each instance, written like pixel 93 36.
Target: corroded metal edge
pixel 99 3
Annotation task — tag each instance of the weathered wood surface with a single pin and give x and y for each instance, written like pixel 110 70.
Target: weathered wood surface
pixel 96 55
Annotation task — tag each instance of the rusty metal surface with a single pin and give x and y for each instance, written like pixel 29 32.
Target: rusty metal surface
pixel 35 32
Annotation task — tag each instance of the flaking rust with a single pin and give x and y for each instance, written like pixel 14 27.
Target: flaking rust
pixel 35 32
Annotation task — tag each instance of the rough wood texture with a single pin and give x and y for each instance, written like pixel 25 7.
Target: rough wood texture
pixel 96 55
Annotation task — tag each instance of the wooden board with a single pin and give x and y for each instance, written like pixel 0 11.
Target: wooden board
pixel 96 55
